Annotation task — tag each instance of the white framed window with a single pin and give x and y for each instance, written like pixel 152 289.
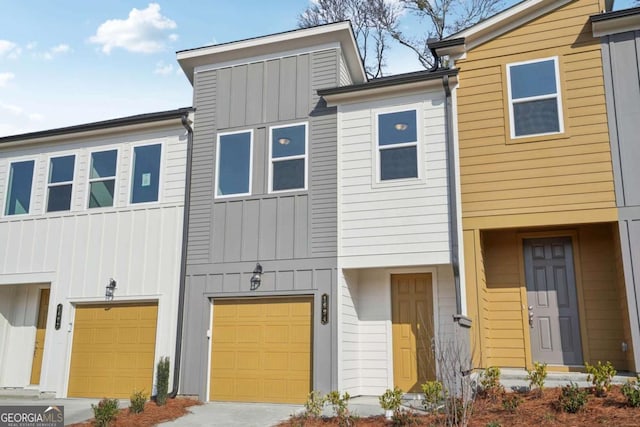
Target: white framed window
pixel 397 145
pixel 60 183
pixel 288 157
pixel 145 173
pixel 102 178
pixel 535 103
pixel 19 186
pixel 234 158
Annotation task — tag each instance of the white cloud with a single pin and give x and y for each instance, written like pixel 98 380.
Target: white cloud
pixel 31 45
pixel 143 31
pixel 56 50
pixel 5 77
pixel 14 109
pixel 163 69
pixel 9 49
pixel 14 120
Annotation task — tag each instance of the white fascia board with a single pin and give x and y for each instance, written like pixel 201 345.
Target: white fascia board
pixel 615 26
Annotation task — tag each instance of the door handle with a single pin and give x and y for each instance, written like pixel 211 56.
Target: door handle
pixel 531 316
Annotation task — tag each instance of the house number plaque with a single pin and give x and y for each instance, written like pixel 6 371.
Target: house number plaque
pixel 324 316
pixel 58 316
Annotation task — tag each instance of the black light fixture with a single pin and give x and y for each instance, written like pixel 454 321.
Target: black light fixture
pixel 256 278
pixel 110 288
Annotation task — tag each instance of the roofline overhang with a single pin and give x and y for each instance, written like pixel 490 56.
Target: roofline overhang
pixel 340 32
pixel 619 21
pixel 452 47
pixel 385 86
pixel 139 121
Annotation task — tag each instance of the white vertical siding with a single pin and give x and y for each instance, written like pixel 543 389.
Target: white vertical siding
pixel 349 336
pixel 393 223
pixel 76 252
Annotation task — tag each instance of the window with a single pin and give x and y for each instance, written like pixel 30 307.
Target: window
pixel 233 176
pixel 60 183
pixel 102 178
pixel 288 157
pixel 19 188
pixel 398 145
pixel 145 179
pixel 534 98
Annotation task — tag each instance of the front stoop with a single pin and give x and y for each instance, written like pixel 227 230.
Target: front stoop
pixel 25 393
pixel 516 379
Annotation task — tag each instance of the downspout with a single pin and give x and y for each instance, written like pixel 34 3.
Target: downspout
pixel 183 255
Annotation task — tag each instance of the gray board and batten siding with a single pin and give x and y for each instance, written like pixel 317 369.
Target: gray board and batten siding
pixel 621 60
pixel 292 234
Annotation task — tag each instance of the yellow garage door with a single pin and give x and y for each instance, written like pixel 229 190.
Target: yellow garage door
pixel 261 350
pixel 113 350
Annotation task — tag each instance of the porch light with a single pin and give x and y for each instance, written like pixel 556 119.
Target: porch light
pixel 401 126
pixel 256 279
pixel 109 289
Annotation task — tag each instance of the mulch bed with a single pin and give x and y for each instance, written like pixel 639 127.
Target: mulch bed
pixel 532 411
pixel 152 414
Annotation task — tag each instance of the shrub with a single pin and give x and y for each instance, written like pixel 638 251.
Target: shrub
pixel 537 376
pixel 314 404
pixel 391 399
pixel 572 399
pixel 340 407
pixel 433 394
pixel 490 382
pixel 511 402
pixel 600 376
pixel 494 424
pixel 404 418
pixel 162 381
pixel 138 399
pixel 105 412
pixel 631 390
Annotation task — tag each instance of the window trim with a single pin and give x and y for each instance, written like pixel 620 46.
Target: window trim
pixel 557 95
pixel 217 163
pixel 115 178
pixel 418 144
pixel 59 184
pixel 131 170
pixel 33 186
pixel 305 156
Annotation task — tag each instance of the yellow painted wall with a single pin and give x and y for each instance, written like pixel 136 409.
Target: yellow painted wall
pixel 567 177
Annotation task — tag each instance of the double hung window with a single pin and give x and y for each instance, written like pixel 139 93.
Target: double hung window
pixel 102 178
pixel 397 145
pixel 288 161
pixel 60 183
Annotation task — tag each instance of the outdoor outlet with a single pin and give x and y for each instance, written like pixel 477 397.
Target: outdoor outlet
pixel 624 347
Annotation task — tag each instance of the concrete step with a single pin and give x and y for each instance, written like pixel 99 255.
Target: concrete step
pixel 516 379
pixel 25 393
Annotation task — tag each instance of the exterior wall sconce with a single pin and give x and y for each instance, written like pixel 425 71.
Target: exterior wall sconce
pixel 256 279
pixel 110 288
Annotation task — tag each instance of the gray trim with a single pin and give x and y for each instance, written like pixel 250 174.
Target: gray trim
pixel 105 124
pixel 439 44
pixel 616 14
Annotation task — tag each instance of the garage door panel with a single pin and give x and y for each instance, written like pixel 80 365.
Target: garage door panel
pixel 261 352
pixel 113 350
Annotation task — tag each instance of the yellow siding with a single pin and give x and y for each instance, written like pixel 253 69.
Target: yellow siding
pixel 566 172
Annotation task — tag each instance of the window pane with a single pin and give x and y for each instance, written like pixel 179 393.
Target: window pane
pixel 101 193
pixel 535 117
pixel 103 164
pixel 288 141
pixel 59 198
pixel 234 164
pixel 538 78
pixel 397 128
pixel 19 189
pixel 288 174
pixel 61 169
pixel 398 163
pixel 146 173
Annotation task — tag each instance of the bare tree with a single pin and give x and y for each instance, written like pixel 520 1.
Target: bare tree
pixel 376 22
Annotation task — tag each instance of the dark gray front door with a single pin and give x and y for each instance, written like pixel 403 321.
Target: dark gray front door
pixel 553 305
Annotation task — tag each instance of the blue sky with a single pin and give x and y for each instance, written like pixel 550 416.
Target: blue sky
pixel 77 61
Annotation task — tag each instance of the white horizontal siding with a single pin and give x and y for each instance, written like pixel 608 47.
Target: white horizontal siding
pixel 392 219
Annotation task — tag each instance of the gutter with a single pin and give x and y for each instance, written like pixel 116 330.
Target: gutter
pixel 183 256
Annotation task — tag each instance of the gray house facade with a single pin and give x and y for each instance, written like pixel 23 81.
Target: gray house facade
pixel 620 36
pixel 260 301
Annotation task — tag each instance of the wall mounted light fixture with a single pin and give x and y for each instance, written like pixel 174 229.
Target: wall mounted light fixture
pixel 109 289
pixel 256 278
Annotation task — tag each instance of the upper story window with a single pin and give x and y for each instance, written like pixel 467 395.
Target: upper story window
pixel 397 145
pixel 145 178
pixel 60 183
pixel 233 167
pixel 102 178
pixel 288 157
pixel 534 98
pixel 19 188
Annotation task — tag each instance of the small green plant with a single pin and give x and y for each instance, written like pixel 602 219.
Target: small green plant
pixel 493 424
pixel 511 402
pixel 537 376
pixel 162 381
pixel 105 412
pixel 490 382
pixel 314 404
pixel 433 395
pixel 572 399
pixel 404 418
pixel 340 406
pixel 391 399
pixel 137 399
pixel 600 376
pixel 631 390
